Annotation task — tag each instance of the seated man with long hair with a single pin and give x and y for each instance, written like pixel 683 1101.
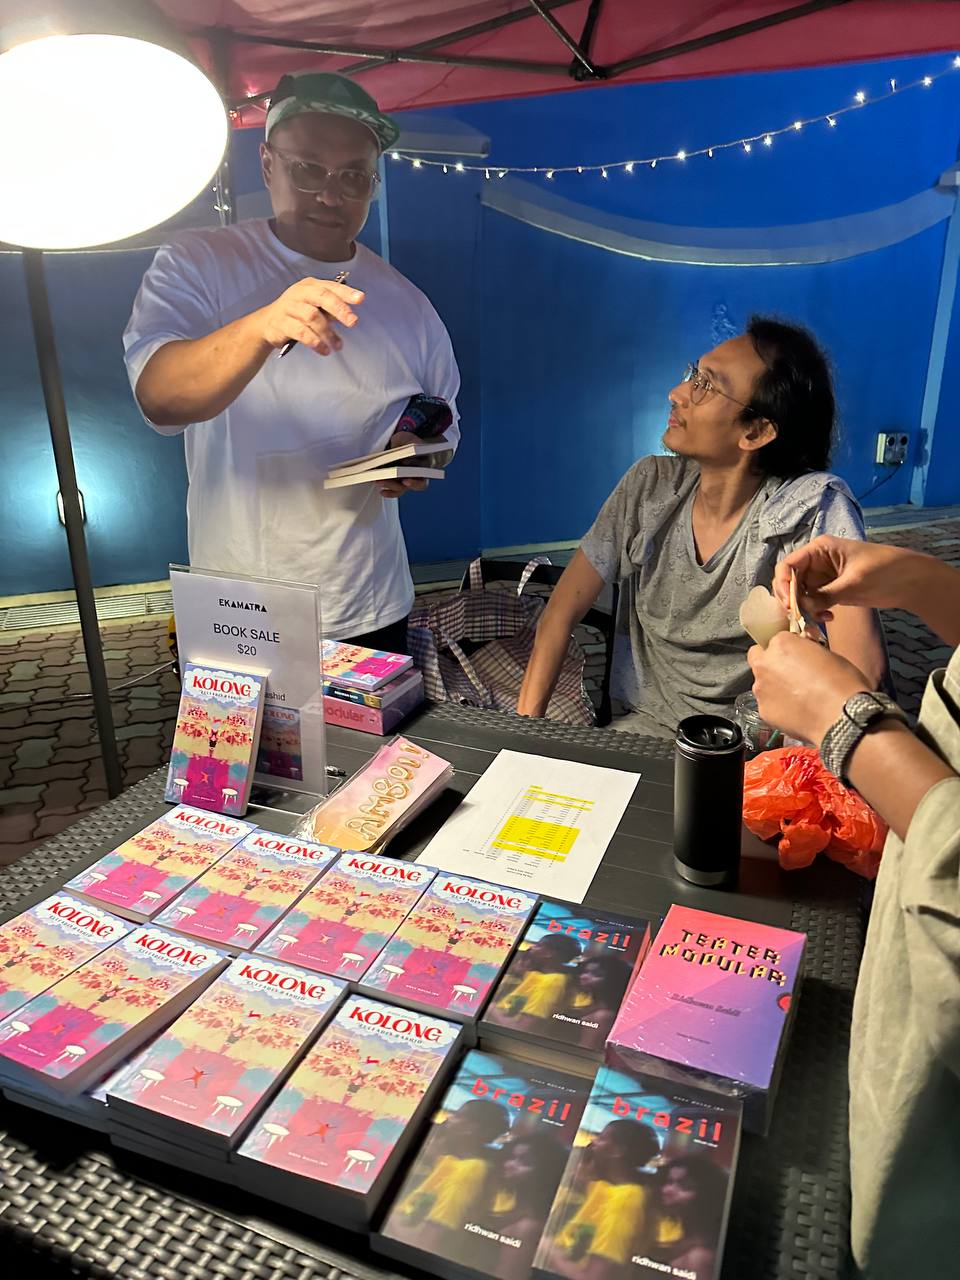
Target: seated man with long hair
pixel 687 536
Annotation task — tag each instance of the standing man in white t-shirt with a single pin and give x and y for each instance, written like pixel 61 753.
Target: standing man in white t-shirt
pixel 260 432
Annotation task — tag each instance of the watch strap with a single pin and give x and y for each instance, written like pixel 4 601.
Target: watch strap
pixel 861 712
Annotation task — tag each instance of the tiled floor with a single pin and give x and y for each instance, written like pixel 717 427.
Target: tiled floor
pixel 50 769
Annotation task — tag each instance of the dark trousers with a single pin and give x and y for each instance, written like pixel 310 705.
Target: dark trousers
pixel 392 639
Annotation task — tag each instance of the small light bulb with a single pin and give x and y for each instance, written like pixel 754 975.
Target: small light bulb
pixel 444 168
pixel 418 164
pixel 681 155
pixel 394 155
pixel 798 125
pixel 502 173
pixel 893 85
pixel 927 81
pixel 486 173
pixel 459 166
pixel 768 140
pixel 603 173
pixel 579 168
pixel 653 164
pixel 748 147
pixel 956 62
pixel 710 152
pixel 831 122
pixel 860 96
pixel 549 173
pixel 629 166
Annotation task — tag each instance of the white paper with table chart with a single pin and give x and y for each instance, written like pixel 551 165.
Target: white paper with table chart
pixel 534 823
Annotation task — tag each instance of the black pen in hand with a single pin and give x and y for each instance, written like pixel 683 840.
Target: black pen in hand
pixel 288 346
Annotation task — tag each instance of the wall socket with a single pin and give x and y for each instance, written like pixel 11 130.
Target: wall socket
pixel 892 448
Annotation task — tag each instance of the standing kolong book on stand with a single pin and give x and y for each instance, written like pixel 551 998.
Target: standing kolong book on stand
pixel 145 872
pixel 71 1035
pixel 43 944
pixel 476 1197
pixel 381 798
pixel 333 1136
pixel 451 948
pixel 346 919
pixel 713 1005
pixel 202 1079
pixel 243 895
pixel 216 739
pixel 560 994
pixel 647 1187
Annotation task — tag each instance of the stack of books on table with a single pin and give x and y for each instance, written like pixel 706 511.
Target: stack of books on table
pixel 368 689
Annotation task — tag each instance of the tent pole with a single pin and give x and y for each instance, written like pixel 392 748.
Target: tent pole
pixel 45 341
pixel 589 67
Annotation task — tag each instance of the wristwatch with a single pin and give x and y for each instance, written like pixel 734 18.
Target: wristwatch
pixel 861 712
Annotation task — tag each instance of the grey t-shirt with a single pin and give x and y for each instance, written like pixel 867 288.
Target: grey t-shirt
pixel 680 649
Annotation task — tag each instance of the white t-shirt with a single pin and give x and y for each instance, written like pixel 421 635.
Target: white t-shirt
pixel 256 502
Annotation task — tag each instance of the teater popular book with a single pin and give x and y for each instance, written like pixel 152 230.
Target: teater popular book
pixel 712 1005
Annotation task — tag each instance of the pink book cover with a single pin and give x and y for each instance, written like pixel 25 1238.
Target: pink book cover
pixel 450 950
pixel 46 942
pixel 376 800
pixel 147 871
pixel 341 1113
pixel 349 915
pixel 366 719
pixel 216 739
pixel 223 1056
pixel 245 893
pixel 358 668
pixel 72 1028
pixel 713 996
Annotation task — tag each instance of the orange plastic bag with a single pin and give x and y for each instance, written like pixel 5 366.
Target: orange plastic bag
pixel 788 793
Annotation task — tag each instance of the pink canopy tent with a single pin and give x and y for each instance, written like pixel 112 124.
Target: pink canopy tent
pixel 417 53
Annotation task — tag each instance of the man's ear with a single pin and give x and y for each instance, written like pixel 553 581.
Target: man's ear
pixel 757 433
pixel 266 163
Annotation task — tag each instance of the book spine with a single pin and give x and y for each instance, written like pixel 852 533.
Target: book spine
pixel 366 719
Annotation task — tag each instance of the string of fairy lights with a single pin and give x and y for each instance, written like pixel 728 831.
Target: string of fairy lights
pixel 764 139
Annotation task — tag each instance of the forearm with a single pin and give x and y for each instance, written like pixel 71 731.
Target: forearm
pixel 540 677
pixel 934 596
pixel 193 380
pixel 893 770
pixel 855 634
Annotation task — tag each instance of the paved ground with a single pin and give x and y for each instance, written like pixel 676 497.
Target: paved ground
pixel 49 760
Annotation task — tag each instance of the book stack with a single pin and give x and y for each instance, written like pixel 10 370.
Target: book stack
pixel 142 875
pixel 713 1006
pixel 647 1185
pixel 476 1198
pixel 201 1081
pixel 560 994
pixel 400 463
pixel 216 739
pixel 43 944
pixel 70 1036
pixel 368 689
pixel 449 952
pixel 242 896
pixel 379 800
pixel 344 922
pixel 332 1137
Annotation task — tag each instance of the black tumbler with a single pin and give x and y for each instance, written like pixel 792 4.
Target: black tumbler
pixel 707 799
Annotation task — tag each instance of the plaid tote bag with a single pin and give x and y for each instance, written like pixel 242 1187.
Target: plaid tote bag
pixel 473 648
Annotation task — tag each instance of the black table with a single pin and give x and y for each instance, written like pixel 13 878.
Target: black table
pixel 71 1205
